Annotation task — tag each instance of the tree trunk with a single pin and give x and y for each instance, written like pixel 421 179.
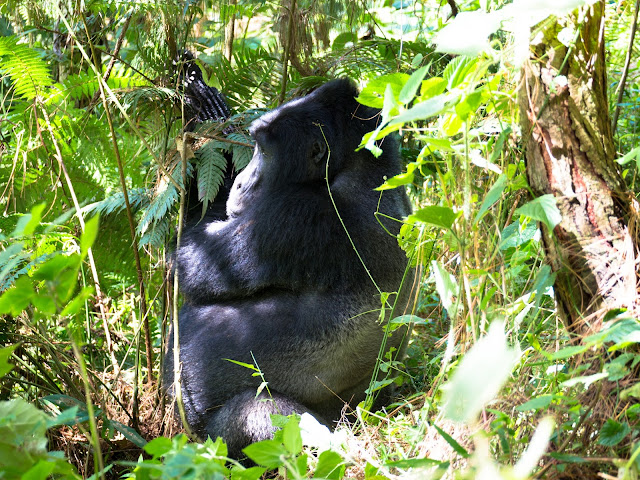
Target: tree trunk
pixel 570 154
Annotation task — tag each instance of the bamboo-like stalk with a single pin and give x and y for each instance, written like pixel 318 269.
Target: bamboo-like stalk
pixel 287 53
pixel 92 263
pixel 177 383
pixel 132 227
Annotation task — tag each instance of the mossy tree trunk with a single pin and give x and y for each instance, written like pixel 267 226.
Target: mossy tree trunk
pixel 570 154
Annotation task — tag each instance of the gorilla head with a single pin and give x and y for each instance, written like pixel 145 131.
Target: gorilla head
pixel 291 278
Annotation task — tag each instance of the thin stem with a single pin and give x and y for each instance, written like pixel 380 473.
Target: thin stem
pixel 287 53
pixel 625 71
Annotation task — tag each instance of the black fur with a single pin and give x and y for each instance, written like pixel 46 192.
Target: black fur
pixel 279 279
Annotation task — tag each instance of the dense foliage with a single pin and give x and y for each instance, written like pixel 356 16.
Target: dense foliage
pixel 95 155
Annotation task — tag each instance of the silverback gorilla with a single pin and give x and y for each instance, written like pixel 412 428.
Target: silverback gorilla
pixel 278 282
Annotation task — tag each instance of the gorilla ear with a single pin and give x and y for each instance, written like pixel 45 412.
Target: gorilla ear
pixel 318 150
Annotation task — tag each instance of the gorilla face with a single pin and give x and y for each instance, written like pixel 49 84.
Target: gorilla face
pixel 280 158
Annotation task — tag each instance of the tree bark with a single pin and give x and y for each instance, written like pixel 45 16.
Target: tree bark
pixel 570 154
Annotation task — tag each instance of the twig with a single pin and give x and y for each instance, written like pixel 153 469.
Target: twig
pixel 625 71
pixel 114 56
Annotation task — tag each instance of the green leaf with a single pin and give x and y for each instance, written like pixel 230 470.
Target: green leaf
pixel 76 304
pixel 372 95
pixel 158 447
pixel 568 352
pixel 341 41
pixel 129 433
pixel 612 432
pixel 291 435
pixel 469 105
pixel 457 69
pixel 252 473
pixel 435 215
pixel 29 73
pixel 242 364
pixel 493 195
pixel 542 401
pixel 480 375
pixel 411 87
pixel 517 233
pixel 89 235
pixel 18 297
pixel 268 453
pixel 432 87
pixel 459 449
pixel 330 466
pixel 422 111
pixel 28 223
pixel 5 353
pixel 542 209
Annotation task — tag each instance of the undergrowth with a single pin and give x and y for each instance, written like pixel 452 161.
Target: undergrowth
pixel 493 386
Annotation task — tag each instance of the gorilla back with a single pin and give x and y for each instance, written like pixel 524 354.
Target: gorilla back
pixel 279 282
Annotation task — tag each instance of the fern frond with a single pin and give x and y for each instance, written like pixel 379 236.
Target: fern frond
pixel 211 168
pixel 241 155
pixel 29 73
pixel 138 198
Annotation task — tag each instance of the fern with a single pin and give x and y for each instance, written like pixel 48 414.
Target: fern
pixel 211 168
pixel 138 198
pixel 29 73
pixel 241 155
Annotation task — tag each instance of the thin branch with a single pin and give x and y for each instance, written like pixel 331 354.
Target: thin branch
pixel 625 71
pixel 132 227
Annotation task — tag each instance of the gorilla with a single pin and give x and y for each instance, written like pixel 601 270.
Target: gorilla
pixel 289 278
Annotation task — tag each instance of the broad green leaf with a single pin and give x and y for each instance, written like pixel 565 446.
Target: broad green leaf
pixel 28 223
pixel 18 297
pixel 435 215
pixel 469 105
pixel 158 446
pixel 612 432
pixel 542 209
pixel 291 435
pixel 129 433
pixel 341 41
pixel 5 353
pixel 493 195
pixel 252 473
pixel 411 87
pixel 268 453
pixel 568 352
pixel 587 380
pixel 422 111
pixel 457 69
pixel 76 304
pixel 330 466
pixel 432 87
pixel 89 235
pixel 480 375
pixel 372 95
pixel 543 401
pixel 517 233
